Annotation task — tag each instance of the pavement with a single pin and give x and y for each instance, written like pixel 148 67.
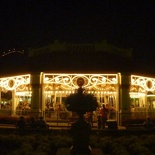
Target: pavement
pixel 58 126
pixel 66 151
pixel 7 126
pixel 65 125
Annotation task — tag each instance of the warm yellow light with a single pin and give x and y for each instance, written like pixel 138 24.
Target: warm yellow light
pixel 68 81
pixel 132 94
pixel 143 82
pixel 153 95
pixel 46 79
pixel 56 79
pixel 11 83
pixel 23 93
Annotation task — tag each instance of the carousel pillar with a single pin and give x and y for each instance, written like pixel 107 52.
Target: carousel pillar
pixel 0 98
pixel 124 97
pixel 43 100
pixel 13 103
pixel 36 100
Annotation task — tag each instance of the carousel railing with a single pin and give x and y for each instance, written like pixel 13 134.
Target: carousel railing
pixel 66 116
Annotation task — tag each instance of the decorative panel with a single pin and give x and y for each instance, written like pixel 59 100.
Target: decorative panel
pixel 91 81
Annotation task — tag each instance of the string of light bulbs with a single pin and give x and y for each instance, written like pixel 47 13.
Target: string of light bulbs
pixel 11 52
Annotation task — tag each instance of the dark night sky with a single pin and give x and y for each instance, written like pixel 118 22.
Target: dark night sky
pixel 35 23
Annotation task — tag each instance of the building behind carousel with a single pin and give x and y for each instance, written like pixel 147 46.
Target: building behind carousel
pixel 43 90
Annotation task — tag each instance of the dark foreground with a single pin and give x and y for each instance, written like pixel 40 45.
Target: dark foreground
pixel 50 142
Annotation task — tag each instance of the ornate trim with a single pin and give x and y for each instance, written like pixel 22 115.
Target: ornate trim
pixel 91 81
pixel 11 83
pixel 148 84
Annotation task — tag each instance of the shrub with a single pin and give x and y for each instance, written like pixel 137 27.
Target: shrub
pixel 47 144
pixel 138 149
pixel 11 119
pixel 129 121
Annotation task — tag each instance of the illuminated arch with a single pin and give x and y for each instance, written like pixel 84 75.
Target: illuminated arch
pixel 12 83
pixel 91 81
pixel 146 83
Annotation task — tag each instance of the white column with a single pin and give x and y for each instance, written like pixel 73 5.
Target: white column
pixel 124 89
pixel 43 100
pixel 117 99
pixel 0 98
pixel 36 101
pixel 13 102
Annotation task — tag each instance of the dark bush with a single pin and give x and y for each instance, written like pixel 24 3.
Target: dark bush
pixel 47 144
pixel 11 119
pixel 129 121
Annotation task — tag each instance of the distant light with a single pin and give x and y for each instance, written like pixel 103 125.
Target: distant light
pixel 10 52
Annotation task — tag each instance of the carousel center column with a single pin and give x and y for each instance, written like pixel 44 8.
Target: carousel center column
pixel 125 112
pixel 36 99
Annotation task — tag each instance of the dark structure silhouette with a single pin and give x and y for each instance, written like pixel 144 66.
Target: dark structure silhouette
pixel 80 130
